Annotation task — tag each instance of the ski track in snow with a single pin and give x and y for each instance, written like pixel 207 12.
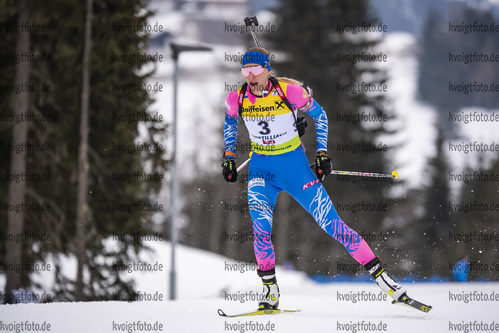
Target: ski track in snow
pixel 320 310
pixel 205 278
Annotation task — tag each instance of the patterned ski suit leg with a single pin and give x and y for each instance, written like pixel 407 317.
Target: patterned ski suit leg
pixel 318 203
pixel 262 195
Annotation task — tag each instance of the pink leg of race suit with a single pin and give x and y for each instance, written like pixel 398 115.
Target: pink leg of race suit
pixel 270 174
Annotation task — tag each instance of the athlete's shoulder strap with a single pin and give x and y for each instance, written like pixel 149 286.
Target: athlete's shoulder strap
pixel 240 98
pixel 279 90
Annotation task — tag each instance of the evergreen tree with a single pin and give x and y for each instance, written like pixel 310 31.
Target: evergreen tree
pixel 436 222
pixel 115 117
pixel 430 87
pixel 17 190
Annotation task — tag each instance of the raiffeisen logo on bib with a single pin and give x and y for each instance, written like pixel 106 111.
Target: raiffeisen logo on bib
pixel 254 108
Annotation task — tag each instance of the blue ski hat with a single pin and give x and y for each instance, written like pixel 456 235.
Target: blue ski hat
pixel 253 57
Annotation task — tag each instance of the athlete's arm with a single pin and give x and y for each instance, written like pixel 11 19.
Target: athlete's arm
pixel 230 124
pixel 303 101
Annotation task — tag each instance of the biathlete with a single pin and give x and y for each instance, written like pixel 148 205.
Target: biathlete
pixel 278 163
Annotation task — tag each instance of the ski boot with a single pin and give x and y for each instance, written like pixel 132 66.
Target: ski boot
pixel 392 288
pixel 270 290
pixel 384 281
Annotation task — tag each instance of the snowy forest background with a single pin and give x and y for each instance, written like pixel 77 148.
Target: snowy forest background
pixel 416 233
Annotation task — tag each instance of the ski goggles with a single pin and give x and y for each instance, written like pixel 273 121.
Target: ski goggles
pixel 256 58
pixel 256 70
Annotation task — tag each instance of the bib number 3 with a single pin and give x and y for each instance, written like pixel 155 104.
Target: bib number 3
pixel 265 128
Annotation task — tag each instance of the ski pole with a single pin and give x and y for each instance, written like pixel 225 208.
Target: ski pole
pixel 394 174
pixel 249 21
pixel 244 163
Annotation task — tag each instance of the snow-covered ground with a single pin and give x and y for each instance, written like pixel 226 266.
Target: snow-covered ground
pixel 208 282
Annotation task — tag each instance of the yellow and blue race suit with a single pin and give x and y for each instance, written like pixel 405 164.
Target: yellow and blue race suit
pixel 278 163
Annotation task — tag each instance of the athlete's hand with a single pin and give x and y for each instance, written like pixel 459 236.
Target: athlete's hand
pixel 229 170
pixel 322 165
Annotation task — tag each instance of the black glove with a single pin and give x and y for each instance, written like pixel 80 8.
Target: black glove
pixel 322 165
pixel 301 123
pixel 229 170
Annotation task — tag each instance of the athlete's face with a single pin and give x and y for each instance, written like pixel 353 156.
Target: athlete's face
pixel 257 78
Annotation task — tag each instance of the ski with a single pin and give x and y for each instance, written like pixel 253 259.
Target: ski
pixel 406 300
pixel 257 312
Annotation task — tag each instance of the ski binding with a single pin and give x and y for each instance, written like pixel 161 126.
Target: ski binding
pixel 406 300
pixel 258 312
